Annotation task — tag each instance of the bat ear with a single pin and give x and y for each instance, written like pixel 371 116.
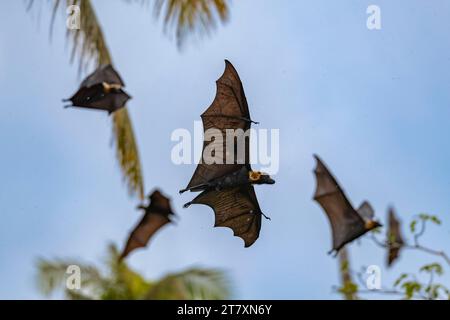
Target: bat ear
pixel 254 175
pixel 366 211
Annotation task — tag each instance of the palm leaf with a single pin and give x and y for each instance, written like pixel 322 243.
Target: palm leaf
pixel 192 284
pixel 52 275
pixel 185 17
pixel 89 45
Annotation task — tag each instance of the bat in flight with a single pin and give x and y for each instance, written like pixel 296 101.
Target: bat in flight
pixel 102 90
pixel 395 240
pixel 347 224
pixel 157 214
pixel 227 186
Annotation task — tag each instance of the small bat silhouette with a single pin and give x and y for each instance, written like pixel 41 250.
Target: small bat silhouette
pixel 347 224
pixel 102 90
pixel 228 187
pixel 157 214
pixel 395 240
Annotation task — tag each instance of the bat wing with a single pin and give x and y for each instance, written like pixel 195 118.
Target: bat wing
pixel 366 211
pixel 94 97
pixel 103 74
pixel 147 227
pixel 160 203
pixel 346 223
pixel 395 239
pixel 235 208
pixel 229 110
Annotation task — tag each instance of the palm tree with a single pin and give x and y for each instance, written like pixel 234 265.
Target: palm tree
pixel 120 282
pixel 183 17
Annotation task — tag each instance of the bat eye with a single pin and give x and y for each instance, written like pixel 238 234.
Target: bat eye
pixel 254 175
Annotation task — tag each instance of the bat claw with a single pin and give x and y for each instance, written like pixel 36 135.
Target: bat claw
pixel 182 191
pixel 141 207
pixel 268 218
pixel 187 205
pixel 334 252
pixel 251 121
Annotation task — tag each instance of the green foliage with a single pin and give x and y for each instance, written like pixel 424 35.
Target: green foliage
pixel 191 16
pixel 435 268
pixel 120 282
pixel 348 289
pixel 402 277
pixel 192 284
pixel 437 291
pixel 426 217
pixel 411 288
pixel 409 285
pixel 412 226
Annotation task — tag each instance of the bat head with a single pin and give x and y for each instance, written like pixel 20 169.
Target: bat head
pixel 258 177
pixel 372 224
pixel 111 87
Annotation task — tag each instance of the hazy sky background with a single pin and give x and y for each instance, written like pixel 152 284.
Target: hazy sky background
pixel 374 104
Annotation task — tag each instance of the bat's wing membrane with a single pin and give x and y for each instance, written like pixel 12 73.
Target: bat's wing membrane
pixel 147 227
pixel 229 110
pixel 366 211
pixel 103 74
pixel 160 203
pixel 346 224
pixel 94 97
pixel 395 239
pixel 157 215
pixel 235 208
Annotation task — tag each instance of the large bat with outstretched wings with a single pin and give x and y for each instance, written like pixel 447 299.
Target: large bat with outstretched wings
pixel 157 214
pixel 347 224
pixel 224 176
pixel 102 90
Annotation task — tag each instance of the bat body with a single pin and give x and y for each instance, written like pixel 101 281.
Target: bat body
pixel 347 224
pixel 395 240
pixel 227 186
pixel 102 90
pixel 157 214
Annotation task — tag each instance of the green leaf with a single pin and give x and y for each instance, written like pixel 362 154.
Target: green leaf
pixel 411 287
pixel 432 268
pixel 413 226
pixel 192 284
pixel 400 279
pixel 185 17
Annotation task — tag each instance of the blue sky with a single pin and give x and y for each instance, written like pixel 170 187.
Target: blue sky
pixel 374 104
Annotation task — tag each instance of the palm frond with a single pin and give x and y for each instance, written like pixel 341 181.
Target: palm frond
pixel 192 284
pixel 184 17
pixel 52 275
pixel 118 281
pixel 89 45
pixel 127 152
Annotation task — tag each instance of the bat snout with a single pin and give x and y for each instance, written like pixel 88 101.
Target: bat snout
pixel 266 179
